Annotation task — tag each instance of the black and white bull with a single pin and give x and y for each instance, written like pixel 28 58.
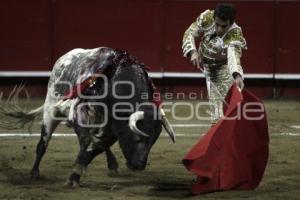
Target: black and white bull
pixel 106 96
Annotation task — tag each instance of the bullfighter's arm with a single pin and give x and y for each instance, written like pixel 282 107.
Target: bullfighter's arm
pixel 203 23
pixel 234 52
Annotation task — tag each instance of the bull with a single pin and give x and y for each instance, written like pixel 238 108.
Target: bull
pixel 106 96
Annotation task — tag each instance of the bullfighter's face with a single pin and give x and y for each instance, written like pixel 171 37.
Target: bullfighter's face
pixel 221 26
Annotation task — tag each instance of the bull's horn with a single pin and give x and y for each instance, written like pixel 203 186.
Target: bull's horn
pixel 167 126
pixel 134 117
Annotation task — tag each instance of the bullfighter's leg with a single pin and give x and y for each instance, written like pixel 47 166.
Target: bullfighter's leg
pixel 48 127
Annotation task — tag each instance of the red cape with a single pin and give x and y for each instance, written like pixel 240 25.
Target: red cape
pixel 233 154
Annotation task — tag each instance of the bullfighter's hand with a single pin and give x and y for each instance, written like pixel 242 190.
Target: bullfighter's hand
pixel 239 82
pixel 195 59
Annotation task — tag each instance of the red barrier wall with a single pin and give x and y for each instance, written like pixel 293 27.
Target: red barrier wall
pixel 34 33
pixel 131 25
pixel 25 40
pixel 287 37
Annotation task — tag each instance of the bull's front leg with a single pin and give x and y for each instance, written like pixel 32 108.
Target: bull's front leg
pixel 79 165
pixel 85 139
pixel 102 142
pixel 85 156
pixel 99 146
pixel 112 163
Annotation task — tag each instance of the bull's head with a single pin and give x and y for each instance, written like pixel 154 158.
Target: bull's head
pixel 143 133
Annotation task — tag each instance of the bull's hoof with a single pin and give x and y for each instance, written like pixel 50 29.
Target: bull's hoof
pixel 72 184
pixel 34 174
pixel 113 173
pixel 73 181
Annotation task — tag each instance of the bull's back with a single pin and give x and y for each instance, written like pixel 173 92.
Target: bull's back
pixel 69 67
pixel 130 83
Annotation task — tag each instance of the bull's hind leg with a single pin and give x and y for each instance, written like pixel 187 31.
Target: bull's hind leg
pixel 47 129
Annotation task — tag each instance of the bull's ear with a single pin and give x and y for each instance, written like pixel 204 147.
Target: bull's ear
pixel 166 124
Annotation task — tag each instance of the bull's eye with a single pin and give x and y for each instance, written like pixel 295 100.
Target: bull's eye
pixel 137 138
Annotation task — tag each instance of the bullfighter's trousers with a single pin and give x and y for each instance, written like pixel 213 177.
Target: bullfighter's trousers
pixel 218 82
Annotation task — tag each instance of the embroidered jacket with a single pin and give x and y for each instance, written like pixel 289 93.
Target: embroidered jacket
pixel 230 44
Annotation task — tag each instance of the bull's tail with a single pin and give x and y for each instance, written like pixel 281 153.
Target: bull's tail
pixel 13 115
